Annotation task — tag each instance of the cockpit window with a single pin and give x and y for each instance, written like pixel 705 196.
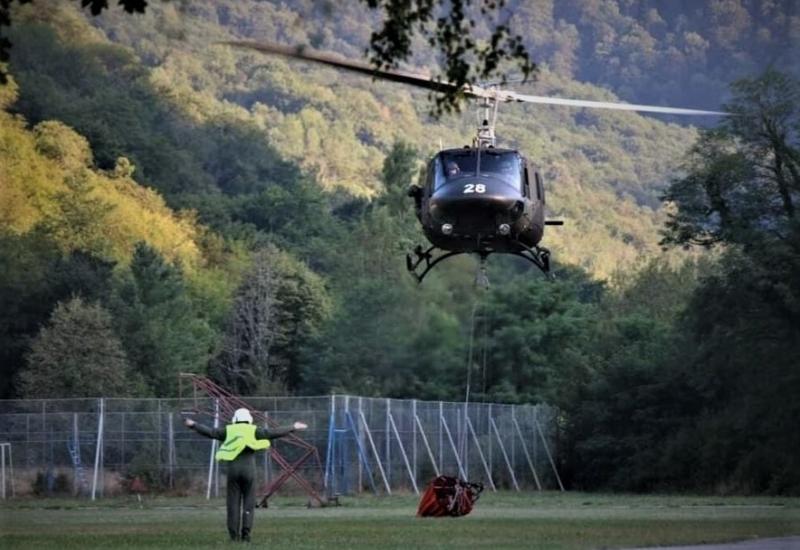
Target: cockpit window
pixel 460 164
pixel 501 165
pixel 505 166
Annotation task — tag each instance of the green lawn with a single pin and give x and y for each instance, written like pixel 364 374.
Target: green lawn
pixel 503 520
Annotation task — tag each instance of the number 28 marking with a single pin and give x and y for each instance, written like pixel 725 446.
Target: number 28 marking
pixel 474 188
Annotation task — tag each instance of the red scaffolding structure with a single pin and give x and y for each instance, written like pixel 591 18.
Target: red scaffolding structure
pixel 228 403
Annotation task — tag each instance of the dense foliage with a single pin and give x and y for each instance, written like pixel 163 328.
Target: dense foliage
pixel 705 399
pixel 170 206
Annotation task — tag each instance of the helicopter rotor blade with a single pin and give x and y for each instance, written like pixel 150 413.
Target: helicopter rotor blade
pixel 332 60
pixel 512 96
pixel 426 82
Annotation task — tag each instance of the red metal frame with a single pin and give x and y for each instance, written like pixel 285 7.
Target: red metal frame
pixel 228 403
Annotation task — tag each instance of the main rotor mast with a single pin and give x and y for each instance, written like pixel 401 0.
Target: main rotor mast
pixel 487 119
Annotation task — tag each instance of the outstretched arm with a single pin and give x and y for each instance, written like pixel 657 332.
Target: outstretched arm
pixel 266 433
pixel 213 433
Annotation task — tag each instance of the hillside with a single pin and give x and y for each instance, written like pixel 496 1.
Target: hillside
pixel 50 183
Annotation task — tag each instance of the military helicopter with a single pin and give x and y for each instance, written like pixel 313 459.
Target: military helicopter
pixel 479 199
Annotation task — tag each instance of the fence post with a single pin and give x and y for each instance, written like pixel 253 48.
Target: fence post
pixel 28 449
pixel 327 480
pixel 77 442
pixel 213 451
pixel 414 438
pixel 44 431
pixel 3 468
pixel 122 437
pixel 98 448
pixel 216 462
pixel 267 469
pixel 11 468
pixel 491 441
pixel 441 436
pixel 347 472
pixel 7 472
pixel 534 416
pixel 360 440
pixel 388 455
pixel 460 442
pixel 159 437
pixel 513 447
pixel 171 451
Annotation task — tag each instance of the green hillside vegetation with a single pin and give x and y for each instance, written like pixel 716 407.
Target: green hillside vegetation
pixel 70 229
pixel 49 183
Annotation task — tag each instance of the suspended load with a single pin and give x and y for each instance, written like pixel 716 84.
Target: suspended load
pixel 448 496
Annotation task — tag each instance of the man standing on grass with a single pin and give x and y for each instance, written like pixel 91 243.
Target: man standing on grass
pixel 241 439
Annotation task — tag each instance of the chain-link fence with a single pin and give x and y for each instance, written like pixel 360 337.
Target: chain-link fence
pixel 110 446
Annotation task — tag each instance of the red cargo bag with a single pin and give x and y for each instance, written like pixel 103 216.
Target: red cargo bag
pixel 448 496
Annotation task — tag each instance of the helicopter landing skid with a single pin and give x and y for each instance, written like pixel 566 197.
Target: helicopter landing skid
pixel 427 257
pixel 538 256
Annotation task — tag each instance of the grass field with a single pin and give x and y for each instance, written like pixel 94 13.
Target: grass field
pixel 499 521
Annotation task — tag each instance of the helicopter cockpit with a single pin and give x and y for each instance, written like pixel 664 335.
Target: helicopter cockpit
pixel 505 166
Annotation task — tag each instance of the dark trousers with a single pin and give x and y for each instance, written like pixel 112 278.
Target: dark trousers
pixel 241 499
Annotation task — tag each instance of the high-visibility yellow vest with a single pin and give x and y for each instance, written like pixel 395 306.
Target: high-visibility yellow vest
pixel 237 437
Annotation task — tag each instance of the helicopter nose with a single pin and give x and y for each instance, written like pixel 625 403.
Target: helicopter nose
pixel 445 208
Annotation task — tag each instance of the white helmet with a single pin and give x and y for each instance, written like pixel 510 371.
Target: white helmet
pixel 242 415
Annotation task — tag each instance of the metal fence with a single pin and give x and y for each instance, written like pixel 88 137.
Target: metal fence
pixel 99 447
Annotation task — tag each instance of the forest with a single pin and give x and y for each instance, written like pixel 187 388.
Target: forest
pixel 171 205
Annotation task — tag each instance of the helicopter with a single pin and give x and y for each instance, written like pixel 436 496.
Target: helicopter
pixel 479 199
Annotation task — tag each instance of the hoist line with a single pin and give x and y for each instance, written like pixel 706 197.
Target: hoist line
pixel 464 435
pixel 483 348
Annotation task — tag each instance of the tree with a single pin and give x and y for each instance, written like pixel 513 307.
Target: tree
pixel 77 355
pixel 636 397
pixel 79 220
pixel 365 349
pixel 59 142
pixel 163 331
pixel 243 365
pixel 303 306
pixel 766 118
pixel 277 312
pixel 694 369
pixel 743 178
pixel 540 350
pixel 35 276
pixel 400 169
pixel 742 322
